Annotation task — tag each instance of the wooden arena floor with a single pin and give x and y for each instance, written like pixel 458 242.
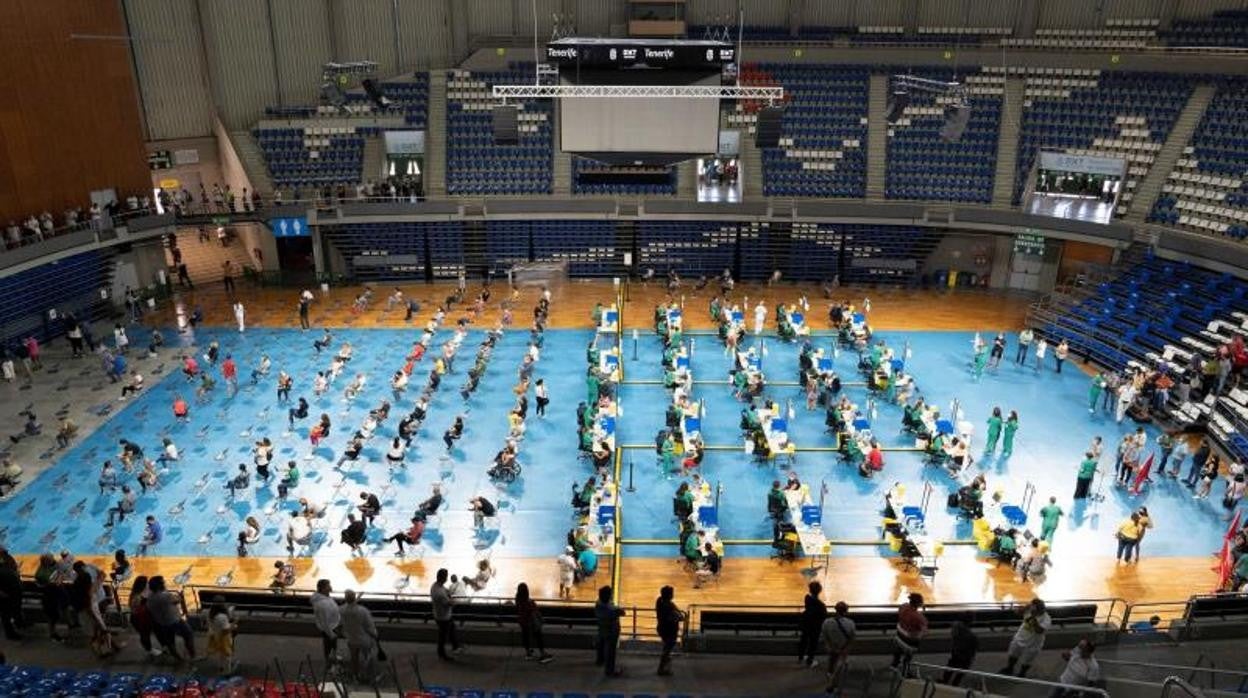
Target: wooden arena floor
pixel 857 580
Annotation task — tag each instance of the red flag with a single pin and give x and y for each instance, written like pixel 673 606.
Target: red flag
pixel 1142 475
pixel 1234 527
pixel 1226 563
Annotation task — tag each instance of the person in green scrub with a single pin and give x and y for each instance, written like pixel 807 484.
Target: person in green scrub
pixel 591 388
pixel 777 504
pixel 669 453
pixel 1049 518
pixel 1087 470
pixel 1095 390
pixel 1011 426
pixel 994 430
pixel 981 360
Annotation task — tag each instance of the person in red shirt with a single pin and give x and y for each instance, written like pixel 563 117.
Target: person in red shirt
pixel 229 371
pixel 181 411
pixel 411 536
pixel 190 367
pixel 911 627
pixel 874 460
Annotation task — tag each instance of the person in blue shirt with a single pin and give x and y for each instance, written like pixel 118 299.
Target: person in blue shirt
pixel 152 535
pixel 587 561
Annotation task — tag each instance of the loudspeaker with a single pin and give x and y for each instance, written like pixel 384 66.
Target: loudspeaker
pixel 897 105
pixel 767 131
pixel 374 93
pixel 956 119
pixel 506 123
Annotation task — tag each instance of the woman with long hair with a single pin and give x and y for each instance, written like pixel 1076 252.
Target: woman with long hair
pixel 530 619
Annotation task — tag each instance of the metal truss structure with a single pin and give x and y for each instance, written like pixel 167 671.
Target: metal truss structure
pixel 769 94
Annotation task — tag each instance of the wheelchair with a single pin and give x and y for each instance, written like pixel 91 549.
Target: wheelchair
pixel 504 473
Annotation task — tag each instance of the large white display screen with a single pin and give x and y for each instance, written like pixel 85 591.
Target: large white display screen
pixel 648 125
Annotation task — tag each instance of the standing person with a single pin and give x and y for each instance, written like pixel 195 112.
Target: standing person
pixel 608 615
pixel 1059 354
pixel 1042 348
pixel 443 615
pixel 1081 669
pixel 1011 426
pixel 167 620
pixel 361 634
pixel 542 398
pixel 530 620
pixel 227 275
pixel 814 612
pixel 911 627
pixel 998 351
pixel 669 619
pixel 221 630
pixel 239 314
pixel 1049 517
pixel 1024 343
pixel 328 619
pixel 305 300
pixel 1230 501
pixel 1201 455
pixel 1028 639
pixel 838 634
pixel 963 648
pixel 567 572
pixel 140 617
pixel 1129 532
pixel 760 317
pixel 1095 388
pixel 994 431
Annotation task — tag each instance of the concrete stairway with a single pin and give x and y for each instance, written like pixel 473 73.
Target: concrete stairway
pixel 435 137
pixel 562 163
pixel 249 153
pixel 1007 142
pixel 751 166
pixel 687 180
pixel 374 166
pixel 204 259
pixel 1146 193
pixel 877 135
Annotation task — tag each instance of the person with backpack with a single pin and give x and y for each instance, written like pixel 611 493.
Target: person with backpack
pixel 838 635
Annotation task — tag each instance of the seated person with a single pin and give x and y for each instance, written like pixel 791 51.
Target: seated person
pixel 312 510
pixel 1004 546
pixel 601 454
pixel 958 453
pixel 411 536
pixel 485 572
pixel 777 504
pixel 584 497
pixel 873 462
pixel 711 565
pixel 682 504
pixel 283 576
pixel 430 506
pixel 298 532
pixel 369 506
pixel 586 563
pixel 31 428
pixel 792 482
pixel 241 481
pixel 355 533
pixel 352 450
pixel 251 530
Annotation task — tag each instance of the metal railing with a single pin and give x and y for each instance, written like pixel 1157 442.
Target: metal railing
pixel 1014 681
pixel 1111 611
pixel 1238 679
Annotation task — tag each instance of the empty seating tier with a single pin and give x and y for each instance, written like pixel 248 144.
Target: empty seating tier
pixel 475 165
pixel 823 137
pixel 312 155
pixel 1208 189
pixel 923 165
pixel 1091 112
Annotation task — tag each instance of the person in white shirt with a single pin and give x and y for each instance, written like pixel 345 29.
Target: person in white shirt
pixel 1042 348
pixel 760 317
pixel 239 313
pixel 298 531
pixel 1029 639
pixel 567 572
pixel 1081 669
pixel 328 618
pixel 361 634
